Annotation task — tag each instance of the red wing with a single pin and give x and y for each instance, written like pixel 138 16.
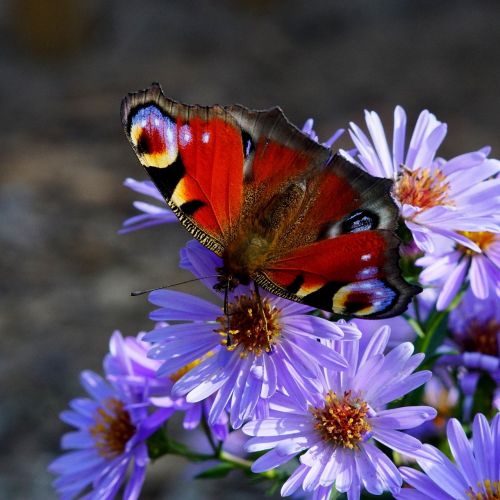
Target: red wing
pixel 353 274
pixel 194 156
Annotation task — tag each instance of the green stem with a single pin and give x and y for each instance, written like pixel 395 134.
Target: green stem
pixel 244 464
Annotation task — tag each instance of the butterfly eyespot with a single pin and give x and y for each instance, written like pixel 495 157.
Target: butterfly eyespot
pixel 190 207
pixel 360 220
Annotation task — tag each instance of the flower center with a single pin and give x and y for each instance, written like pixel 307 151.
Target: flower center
pixel 342 421
pixel 422 188
pixel 253 324
pixel 483 239
pixel 487 491
pixel 481 336
pixel 112 429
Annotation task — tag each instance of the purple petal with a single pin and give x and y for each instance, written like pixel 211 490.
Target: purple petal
pixel 423 484
pixel 403 418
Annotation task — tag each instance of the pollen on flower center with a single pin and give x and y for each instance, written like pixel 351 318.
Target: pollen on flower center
pixel 488 490
pixel 423 188
pixel 483 239
pixel 112 429
pixel 481 336
pixel 252 324
pixel 342 421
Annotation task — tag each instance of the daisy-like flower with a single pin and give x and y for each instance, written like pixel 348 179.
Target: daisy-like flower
pixel 154 215
pixel 111 427
pixel 474 344
pixel 454 265
pixel 436 197
pixel 244 357
pixel 127 363
pixel 475 475
pixel 335 427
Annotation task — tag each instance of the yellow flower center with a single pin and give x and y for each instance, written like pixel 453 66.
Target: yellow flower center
pixel 252 324
pixel 488 490
pixel 342 421
pixel 483 239
pixel 423 188
pixel 112 429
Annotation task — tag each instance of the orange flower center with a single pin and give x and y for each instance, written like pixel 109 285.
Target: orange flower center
pixel 483 239
pixel 112 429
pixel 252 324
pixel 423 188
pixel 482 336
pixel 342 421
pixel 488 490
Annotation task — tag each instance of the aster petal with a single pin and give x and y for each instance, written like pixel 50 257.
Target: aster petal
pixel 442 471
pixel 312 479
pixel 482 446
pixel 462 452
pixel 379 140
pixel 402 387
pixel 77 440
pixel 182 306
pixel 134 485
pixel 84 406
pixel 396 440
pixel 225 392
pixel 251 393
pixel 452 285
pixel 426 488
pixel 367 155
pixel 276 457
pixel 479 277
pixel 311 325
pixel 346 471
pixel 386 471
pixel 74 461
pixel 262 443
pixel 143 187
pixel 270 377
pixel 294 481
pixel 398 138
pixel 111 478
pixel 278 426
pixel 406 417
pixel 75 419
pixel 96 386
pixel 377 343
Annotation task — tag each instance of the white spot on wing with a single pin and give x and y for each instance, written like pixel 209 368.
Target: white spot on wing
pixel 366 256
pixel 205 137
pixel 185 135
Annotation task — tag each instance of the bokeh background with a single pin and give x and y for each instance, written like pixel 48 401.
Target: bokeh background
pixel 65 65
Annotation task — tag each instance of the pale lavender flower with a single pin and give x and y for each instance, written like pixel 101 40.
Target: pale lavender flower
pixel 154 215
pixel 475 475
pixel 333 428
pixel 436 196
pixel 242 358
pixel 112 427
pixel 475 344
pixel 453 265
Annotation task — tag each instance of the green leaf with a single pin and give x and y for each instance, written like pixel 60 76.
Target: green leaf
pixel 157 444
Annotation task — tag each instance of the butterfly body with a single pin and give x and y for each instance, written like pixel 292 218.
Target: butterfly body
pixel 279 209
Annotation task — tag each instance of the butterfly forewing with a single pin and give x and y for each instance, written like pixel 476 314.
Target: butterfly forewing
pixel 279 208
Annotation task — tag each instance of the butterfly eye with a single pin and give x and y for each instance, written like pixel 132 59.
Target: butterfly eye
pixel 360 220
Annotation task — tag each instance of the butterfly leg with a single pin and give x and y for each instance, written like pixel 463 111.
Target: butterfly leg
pixel 261 306
pixel 226 313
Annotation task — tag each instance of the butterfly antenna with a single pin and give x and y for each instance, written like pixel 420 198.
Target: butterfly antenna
pixel 261 306
pixel 142 292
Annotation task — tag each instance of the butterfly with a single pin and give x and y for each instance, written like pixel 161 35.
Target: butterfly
pixel 281 210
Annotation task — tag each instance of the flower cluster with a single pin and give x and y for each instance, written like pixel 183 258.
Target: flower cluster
pixel 317 405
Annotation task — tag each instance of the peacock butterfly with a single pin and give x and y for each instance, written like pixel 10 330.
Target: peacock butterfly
pixel 278 208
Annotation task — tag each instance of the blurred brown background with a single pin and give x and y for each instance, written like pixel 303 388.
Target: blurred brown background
pixel 64 67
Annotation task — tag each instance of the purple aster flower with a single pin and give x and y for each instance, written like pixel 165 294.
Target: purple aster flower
pixel 244 357
pixel 436 197
pixel 475 475
pixel 111 431
pixel 152 215
pixel 335 427
pixel 475 344
pixel 128 364
pixel 453 265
